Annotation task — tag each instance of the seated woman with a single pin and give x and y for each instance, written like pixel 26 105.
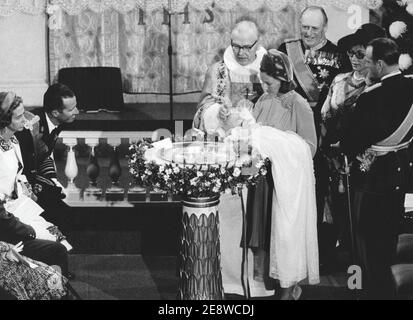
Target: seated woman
pixel 22 278
pixel 13 184
pixel 343 94
pixel 16 196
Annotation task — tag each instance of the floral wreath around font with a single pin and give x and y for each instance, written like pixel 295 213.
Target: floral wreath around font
pixel 190 181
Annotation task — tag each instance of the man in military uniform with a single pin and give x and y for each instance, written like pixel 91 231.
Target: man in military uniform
pixel 316 59
pixel 316 62
pixel 59 109
pixel 378 134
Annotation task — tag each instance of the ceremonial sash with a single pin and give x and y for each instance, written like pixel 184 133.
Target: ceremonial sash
pixel 302 71
pixel 392 143
pixel 398 135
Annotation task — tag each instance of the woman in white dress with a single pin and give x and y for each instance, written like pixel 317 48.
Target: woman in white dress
pixel 19 199
pixel 21 277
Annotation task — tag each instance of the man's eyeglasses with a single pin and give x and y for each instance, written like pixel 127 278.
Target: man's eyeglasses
pixel 246 48
pixel 359 54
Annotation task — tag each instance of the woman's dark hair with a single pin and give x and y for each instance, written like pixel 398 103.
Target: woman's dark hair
pixel 6 117
pixel 53 97
pixel 385 49
pixel 287 86
pixel 277 65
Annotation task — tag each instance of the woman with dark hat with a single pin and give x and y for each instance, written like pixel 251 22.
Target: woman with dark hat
pixel 282 108
pixel 343 94
pixel 347 87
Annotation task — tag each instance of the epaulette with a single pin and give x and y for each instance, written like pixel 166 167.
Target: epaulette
pixel 292 40
pixel 373 87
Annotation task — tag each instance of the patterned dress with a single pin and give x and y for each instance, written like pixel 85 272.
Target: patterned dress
pixel 41 282
pixel 340 102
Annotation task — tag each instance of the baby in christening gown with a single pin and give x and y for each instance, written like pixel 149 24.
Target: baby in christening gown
pixel 238 116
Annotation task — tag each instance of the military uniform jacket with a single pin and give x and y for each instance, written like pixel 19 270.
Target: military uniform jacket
pixel 378 113
pixel 324 63
pixel 37 147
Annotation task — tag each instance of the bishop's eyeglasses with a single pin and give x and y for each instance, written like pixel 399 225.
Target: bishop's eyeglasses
pixel 238 48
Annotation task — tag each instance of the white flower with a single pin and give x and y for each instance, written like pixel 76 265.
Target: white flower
pixel 168 171
pixel 405 61
pixel 238 163
pixel 404 2
pixel 215 190
pixel 161 168
pixel 51 9
pixel 166 177
pixel 259 164
pixel 236 172
pixel 374 4
pixel 409 8
pixel 207 184
pixel 397 29
pixel 148 172
pixel 194 181
pixel 223 171
pixel 176 170
pixel 199 174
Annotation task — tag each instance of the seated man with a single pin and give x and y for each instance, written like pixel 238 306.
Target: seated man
pixel 13 231
pixel 59 108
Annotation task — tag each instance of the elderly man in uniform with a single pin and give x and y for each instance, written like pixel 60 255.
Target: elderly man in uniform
pixel 378 134
pixel 317 61
pixel 230 84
